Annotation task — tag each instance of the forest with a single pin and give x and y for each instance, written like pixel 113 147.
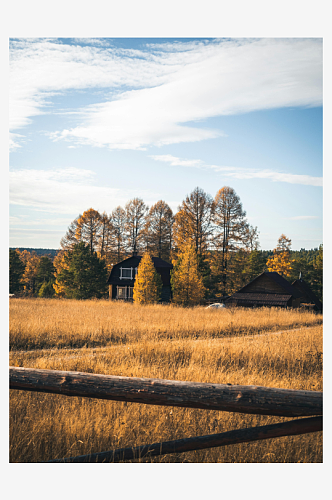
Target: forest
pixel 212 235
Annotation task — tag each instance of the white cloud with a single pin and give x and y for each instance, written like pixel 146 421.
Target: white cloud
pixel 307 180
pixel 241 173
pixel 66 191
pixel 303 217
pixel 174 161
pixel 162 89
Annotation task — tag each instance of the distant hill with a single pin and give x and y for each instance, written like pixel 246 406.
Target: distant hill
pixel 39 251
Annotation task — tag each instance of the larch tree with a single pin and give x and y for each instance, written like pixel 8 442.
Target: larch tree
pixel 231 231
pixel 280 262
pixel 69 240
pixel 148 284
pixel 118 233
pixel 187 283
pixel 105 245
pixel 60 263
pixel 89 229
pixel 193 221
pixel 136 212
pixel 159 230
pixel 28 279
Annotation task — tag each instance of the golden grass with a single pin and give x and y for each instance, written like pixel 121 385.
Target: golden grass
pixel 45 426
pixel 45 323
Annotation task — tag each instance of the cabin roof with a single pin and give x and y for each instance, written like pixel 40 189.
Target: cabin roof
pixel 160 265
pixel 303 287
pixel 278 279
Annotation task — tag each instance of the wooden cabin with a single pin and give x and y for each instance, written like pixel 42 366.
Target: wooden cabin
pixel 122 278
pixel 268 289
pixel 308 299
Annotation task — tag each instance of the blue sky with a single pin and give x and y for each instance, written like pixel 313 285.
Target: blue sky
pixel 97 122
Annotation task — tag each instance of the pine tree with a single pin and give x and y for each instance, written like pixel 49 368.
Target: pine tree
pixel 45 273
pixel 148 282
pixel 83 275
pixel 16 271
pixel 186 281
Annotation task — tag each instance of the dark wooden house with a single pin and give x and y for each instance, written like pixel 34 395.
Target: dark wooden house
pixel 122 278
pixel 268 289
pixel 308 298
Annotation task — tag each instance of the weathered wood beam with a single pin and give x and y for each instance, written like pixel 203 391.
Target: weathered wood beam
pixel 291 428
pixel 225 397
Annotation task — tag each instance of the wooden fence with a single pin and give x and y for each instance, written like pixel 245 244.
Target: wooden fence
pixel 224 397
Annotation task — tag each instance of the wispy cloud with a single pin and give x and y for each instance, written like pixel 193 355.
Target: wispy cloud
pixel 242 173
pixel 67 191
pixel 303 217
pixel 174 161
pixel 161 89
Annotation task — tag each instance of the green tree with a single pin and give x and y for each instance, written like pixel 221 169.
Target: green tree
pixel 45 273
pixel 46 290
pixel 317 274
pixel 186 281
pixel 254 266
pixel 16 271
pixel 83 274
pixel 148 284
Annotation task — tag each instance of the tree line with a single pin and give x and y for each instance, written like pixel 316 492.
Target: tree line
pixel 215 230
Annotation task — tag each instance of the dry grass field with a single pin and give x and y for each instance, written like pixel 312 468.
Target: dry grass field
pixel 268 347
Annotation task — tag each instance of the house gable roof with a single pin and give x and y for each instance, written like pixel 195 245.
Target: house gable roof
pixel 161 265
pixel 303 287
pixel 282 283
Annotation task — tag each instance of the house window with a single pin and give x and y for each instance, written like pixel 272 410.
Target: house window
pixel 121 292
pixel 126 273
pixel 130 292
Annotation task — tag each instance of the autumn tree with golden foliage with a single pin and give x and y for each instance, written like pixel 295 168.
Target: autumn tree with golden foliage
pixel 148 282
pixel 280 262
pixel 193 221
pixel 89 228
pixel 60 263
pixel 187 283
pixel 28 279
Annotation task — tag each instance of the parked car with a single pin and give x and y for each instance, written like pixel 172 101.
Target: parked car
pixel 216 306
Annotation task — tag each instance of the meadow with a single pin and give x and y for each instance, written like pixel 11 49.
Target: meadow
pixel 268 347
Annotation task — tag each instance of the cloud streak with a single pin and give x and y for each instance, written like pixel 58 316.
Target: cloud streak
pixel 162 95
pixel 66 191
pixel 241 173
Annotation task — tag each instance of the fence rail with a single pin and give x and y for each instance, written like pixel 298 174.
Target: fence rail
pixel 224 397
